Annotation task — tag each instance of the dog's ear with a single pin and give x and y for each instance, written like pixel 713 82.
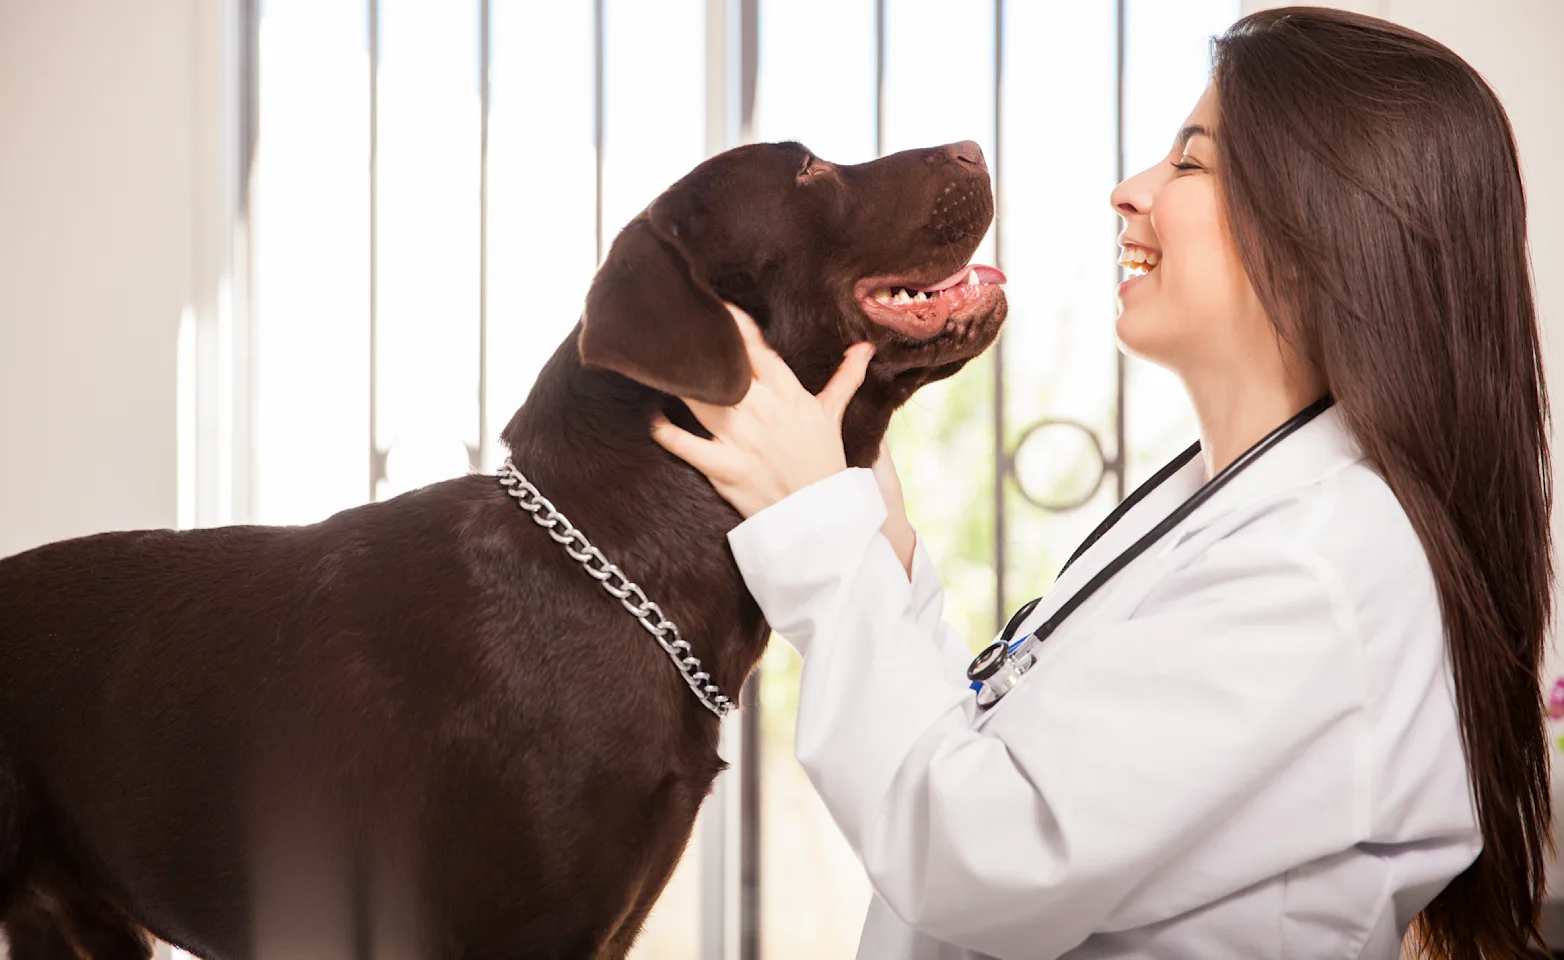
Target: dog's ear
pixel 650 317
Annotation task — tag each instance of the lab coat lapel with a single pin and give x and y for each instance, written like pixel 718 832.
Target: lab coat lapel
pixel 1318 449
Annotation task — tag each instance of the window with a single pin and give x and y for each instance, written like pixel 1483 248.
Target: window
pixel 435 181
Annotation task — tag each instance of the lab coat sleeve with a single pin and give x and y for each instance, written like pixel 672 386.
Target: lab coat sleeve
pixel 928 611
pixel 1153 765
pixel 805 554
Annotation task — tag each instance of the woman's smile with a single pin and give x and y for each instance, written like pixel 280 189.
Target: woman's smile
pixel 1140 260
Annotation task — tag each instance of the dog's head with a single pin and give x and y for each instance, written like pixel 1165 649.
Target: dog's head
pixel 821 255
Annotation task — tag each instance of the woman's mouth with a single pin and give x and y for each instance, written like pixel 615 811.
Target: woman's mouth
pixel 1138 260
pixel 921 311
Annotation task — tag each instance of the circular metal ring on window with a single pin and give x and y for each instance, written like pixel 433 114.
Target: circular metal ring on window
pixel 1058 504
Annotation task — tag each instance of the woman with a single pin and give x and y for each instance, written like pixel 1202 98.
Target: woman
pixel 1308 717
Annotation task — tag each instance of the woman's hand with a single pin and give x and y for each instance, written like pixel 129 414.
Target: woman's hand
pixel 779 439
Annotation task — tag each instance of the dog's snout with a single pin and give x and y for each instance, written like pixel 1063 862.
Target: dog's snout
pixel 968 154
pixel 965 206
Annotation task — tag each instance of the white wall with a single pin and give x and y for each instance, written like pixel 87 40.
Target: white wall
pixel 1513 44
pixel 96 206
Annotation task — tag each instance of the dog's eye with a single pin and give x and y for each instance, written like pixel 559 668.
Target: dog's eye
pixel 808 166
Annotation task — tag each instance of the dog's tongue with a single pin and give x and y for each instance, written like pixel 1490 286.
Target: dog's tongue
pixel 985 275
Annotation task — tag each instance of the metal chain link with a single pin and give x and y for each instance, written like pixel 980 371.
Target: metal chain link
pixel 620 587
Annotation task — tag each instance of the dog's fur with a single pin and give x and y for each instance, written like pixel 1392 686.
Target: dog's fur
pixel 417 728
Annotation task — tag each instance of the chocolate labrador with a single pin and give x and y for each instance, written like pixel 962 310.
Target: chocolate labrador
pixel 418 728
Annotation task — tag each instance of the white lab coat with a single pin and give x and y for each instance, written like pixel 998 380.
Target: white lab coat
pixel 1245 745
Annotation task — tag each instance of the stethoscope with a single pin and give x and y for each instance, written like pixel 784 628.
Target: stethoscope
pixel 1000 666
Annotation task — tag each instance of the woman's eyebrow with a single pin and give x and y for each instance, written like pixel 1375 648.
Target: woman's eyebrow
pixel 1193 130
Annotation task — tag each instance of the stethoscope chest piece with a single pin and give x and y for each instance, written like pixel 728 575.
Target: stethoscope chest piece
pixel 994 671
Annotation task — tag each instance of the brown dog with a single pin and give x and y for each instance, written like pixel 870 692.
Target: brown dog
pixel 416 728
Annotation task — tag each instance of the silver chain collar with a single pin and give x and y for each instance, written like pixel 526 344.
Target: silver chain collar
pixel 630 596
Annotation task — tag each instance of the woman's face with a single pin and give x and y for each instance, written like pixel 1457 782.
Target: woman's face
pixel 1188 304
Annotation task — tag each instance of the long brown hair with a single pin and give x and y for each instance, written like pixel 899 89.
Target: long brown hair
pixel 1370 179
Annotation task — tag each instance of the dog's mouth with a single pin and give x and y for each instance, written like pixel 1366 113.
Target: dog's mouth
pixel 922 311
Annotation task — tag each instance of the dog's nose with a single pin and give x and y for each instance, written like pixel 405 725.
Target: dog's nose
pixel 969 154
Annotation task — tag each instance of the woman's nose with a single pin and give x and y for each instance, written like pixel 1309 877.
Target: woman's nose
pixel 1132 197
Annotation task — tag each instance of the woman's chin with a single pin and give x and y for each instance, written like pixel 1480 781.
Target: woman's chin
pixel 1140 336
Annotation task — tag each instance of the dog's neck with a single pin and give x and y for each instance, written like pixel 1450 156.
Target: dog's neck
pixel 583 438
pixel 579 414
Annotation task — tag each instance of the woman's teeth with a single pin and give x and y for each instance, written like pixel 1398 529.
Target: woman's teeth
pixel 1138 260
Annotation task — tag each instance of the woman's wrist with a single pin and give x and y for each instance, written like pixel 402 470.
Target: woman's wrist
pixel 897 528
pixel 904 540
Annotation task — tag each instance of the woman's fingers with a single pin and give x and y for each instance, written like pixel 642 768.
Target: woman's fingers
pixel 847 379
pixel 707 456
pixel 713 417
pixel 779 438
pixel 770 369
pixel 762 359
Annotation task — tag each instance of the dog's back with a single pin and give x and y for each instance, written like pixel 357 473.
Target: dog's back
pixel 96 697
pixel 351 702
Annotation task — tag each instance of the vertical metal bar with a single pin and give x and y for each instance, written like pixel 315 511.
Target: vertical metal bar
pixel 749 823
pixel 1119 453
pixel 249 99
pixel 375 459
pixel 879 78
pixel 749 67
pixel 742 85
pixel 723 934
pixel 598 97
pixel 485 44
pixel 720 115
pixel 1001 448
pixel 720 848
pixel 243 266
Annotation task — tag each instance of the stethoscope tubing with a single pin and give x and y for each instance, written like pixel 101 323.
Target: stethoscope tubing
pixel 992 662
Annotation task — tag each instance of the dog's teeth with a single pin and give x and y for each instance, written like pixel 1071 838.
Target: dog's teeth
pixel 921 297
pixel 883 294
pixel 901 296
pixel 972 279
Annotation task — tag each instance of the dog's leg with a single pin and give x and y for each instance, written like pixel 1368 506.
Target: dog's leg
pixel 28 932
pixel 12 831
pixel 74 925
pixel 32 934
pixel 684 802
pixel 619 947
pixel 44 914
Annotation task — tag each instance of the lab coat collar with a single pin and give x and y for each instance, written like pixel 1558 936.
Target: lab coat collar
pixel 1317 449
pixel 1314 452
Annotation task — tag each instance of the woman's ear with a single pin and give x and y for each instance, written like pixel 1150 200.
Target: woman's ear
pixel 652 319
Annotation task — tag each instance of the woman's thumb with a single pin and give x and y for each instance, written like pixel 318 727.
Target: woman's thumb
pixel 847 379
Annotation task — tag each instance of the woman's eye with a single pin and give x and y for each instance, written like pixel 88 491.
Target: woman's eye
pixel 1186 165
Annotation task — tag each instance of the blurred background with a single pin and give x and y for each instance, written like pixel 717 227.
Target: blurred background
pixel 261 260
